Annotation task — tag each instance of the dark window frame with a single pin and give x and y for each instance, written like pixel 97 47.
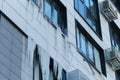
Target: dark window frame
pixel 93 42
pixel 114 32
pixel 62 15
pixel 98 27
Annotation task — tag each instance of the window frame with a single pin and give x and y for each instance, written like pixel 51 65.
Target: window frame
pixel 114 32
pixel 85 55
pixel 97 26
pixel 93 61
pixel 61 15
pixel 93 42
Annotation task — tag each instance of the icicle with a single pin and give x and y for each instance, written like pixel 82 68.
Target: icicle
pixel 27 58
pixel 30 49
pixel 45 59
pixel 59 72
pixel 55 68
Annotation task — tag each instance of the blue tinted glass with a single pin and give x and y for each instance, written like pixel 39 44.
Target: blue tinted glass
pixel 90 51
pixel 76 4
pixel 87 3
pixel 83 44
pixel 81 8
pixel 94 27
pixel 55 17
pixel 91 3
pixel 48 11
pixel 89 21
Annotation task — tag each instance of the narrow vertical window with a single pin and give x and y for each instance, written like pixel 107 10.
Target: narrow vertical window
pixel 97 59
pixel 83 44
pixel 114 35
pixel 81 8
pixel 90 52
pixel 48 9
pixel 76 4
pixel 55 16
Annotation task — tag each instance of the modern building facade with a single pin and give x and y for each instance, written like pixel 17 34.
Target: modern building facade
pixel 59 40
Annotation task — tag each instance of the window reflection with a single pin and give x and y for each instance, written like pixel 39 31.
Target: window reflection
pixel 56 13
pixel 83 44
pixel 90 51
pixel 81 9
pixel 89 11
pixel 115 40
pixel 97 59
pixel 55 16
pixel 87 48
pixel 48 9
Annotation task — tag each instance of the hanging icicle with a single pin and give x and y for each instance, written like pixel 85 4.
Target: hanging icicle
pixel 55 68
pixel 45 59
pixel 30 50
pixel 59 72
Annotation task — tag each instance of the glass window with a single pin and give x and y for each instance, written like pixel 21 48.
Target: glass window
pixel 78 39
pixel 97 59
pixel 76 4
pixel 88 10
pixel 48 10
pixel 90 52
pixel 83 44
pixel 55 16
pixel 87 3
pixel 115 40
pixel 81 8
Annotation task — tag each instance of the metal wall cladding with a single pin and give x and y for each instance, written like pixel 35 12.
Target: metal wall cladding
pixel 12 42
